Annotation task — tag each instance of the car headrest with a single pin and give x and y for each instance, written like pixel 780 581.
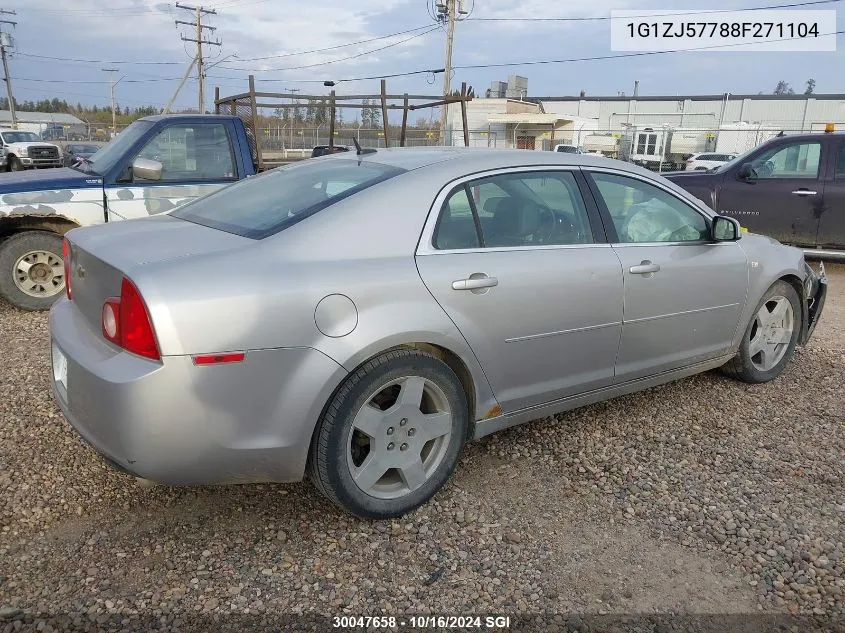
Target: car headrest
pixel 491 205
pixel 516 217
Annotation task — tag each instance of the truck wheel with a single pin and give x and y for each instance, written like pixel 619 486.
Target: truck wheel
pixel 32 273
pixel 15 164
pixel 770 339
pixel 391 435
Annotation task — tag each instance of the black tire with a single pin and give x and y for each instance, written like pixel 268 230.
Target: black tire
pixel 11 250
pixel 741 367
pixel 327 463
pixel 15 164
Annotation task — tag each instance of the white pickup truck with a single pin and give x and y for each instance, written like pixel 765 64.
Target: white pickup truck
pixel 25 150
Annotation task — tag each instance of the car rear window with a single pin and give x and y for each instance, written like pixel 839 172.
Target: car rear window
pixel 262 205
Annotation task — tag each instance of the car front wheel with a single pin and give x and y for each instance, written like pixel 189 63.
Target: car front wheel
pixel 391 435
pixel 770 338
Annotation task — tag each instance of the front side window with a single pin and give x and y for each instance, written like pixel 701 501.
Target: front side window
pixel 191 152
pixel 796 160
pixel 520 209
pixel 270 202
pixel 643 213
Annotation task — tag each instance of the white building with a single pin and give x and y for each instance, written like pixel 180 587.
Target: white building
pixel 600 123
pixel 39 121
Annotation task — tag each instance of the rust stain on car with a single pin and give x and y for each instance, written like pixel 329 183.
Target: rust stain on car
pixel 493 412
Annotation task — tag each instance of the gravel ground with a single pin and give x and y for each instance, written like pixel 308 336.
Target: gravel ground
pixel 705 496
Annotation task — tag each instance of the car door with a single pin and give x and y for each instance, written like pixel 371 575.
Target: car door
pixel 831 232
pixel 196 159
pixel 783 197
pixel 519 262
pixel 683 294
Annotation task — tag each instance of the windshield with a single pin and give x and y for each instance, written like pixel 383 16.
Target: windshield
pixel 20 137
pixel 266 204
pixel 84 149
pixel 109 154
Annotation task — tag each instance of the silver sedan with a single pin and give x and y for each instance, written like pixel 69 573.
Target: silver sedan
pixel 357 318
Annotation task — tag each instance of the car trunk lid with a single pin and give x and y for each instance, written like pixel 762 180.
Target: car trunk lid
pixel 102 255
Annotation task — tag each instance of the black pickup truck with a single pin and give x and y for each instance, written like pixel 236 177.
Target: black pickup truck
pixel 791 188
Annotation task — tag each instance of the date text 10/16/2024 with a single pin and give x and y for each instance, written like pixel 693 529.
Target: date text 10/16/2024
pixel 351 622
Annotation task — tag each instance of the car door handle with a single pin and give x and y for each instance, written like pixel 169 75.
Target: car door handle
pixel 804 192
pixel 644 268
pixel 473 284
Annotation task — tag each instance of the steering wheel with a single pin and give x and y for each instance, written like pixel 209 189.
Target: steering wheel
pixel 555 225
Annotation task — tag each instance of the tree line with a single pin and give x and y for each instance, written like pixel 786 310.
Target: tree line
pixel 316 112
pixel 88 113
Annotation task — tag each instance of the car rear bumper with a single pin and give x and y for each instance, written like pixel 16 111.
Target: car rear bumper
pixel 180 424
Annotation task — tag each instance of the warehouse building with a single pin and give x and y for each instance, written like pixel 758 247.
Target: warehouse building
pixel 621 126
pixel 38 122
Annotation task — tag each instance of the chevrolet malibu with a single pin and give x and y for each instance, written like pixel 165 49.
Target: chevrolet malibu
pixel 356 319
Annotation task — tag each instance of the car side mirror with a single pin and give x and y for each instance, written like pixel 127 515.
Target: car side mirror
pixel 725 229
pixel 747 172
pixel 147 169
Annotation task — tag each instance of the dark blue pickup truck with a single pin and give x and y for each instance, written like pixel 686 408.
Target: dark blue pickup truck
pixel 156 164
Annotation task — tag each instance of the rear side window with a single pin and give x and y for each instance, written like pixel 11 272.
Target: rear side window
pixel 270 202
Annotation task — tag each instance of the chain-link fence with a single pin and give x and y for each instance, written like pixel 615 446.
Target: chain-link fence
pixel 656 147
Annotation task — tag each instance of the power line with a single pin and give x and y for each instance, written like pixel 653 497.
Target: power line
pixel 242 59
pixel 94 61
pixel 547 61
pixel 335 61
pixel 653 15
pixel 331 48
pixel 637 54
pixel 464 67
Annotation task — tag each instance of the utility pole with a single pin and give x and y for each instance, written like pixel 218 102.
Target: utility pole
pixel 111 72
pixel 6 40
pixel 446 14
pixel 200 11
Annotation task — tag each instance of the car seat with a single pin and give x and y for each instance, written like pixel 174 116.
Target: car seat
pixel 512 222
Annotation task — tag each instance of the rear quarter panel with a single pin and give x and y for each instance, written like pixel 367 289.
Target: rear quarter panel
pixel 266 295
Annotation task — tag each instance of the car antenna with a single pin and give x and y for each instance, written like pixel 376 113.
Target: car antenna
pixel 360 151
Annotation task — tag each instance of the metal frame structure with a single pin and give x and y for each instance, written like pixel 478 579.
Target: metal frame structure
pixel 245 105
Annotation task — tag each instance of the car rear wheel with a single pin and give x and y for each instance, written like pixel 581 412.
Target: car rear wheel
pixel 391 435
pixel 770 338
pixel 32 274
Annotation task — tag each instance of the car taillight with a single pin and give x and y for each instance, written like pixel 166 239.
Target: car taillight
pixel 126 322
pixel 66 259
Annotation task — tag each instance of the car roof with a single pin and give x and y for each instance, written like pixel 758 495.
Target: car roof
pixel 479 158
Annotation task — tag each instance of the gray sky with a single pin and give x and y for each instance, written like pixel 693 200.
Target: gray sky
pixel 144 31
